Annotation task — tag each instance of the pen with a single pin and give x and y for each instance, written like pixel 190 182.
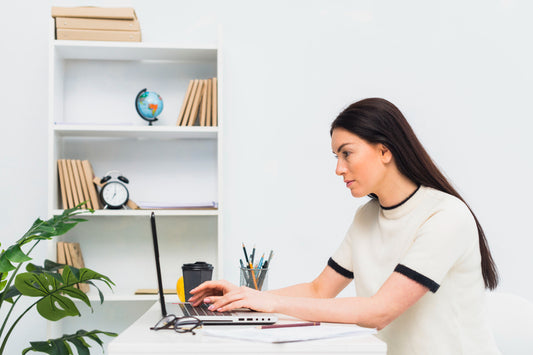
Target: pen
pixel 245 254
pixel 252 256
pixel 289 325
pixel 253 275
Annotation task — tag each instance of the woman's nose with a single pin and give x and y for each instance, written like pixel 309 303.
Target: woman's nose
pixel 340 169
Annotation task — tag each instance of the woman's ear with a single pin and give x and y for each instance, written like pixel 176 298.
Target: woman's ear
pixel 386 155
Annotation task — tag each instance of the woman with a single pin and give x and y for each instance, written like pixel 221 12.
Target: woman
pixel 417 254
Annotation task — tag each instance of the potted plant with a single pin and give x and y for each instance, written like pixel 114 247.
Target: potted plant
pixel 52 290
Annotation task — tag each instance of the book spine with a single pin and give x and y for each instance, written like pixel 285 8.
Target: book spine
pixel 75 198
pixel 89 176
pixel 84 187
pixel 196 103
pixel 77 181
pixel 98 35
pixel 62 186
pixel 184 105
pixel 189 103
pixel 124 13
pixel 97 24
pixel 214 117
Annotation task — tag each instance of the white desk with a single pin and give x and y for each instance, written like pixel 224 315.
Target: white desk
pixel 139 339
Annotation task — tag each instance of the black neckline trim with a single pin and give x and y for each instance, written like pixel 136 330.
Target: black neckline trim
pixel 401 203
pixel 346 273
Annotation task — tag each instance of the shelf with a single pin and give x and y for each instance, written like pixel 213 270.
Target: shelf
pixel 94 297
pixel 132 213
pixel 159 132
pixel 131 51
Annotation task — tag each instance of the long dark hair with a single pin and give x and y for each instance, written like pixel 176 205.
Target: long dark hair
pixel 377 120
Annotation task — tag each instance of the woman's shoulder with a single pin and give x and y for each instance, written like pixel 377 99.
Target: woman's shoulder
pixel 442 203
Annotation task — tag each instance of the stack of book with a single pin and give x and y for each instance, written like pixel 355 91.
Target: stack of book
pixel 96 24
pixel 200 104
pixel 76 183
pixel 70 254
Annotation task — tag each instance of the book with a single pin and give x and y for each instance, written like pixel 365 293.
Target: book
pixel 78 23
pixel 189 103
pixel 209 102
pixel 196 103
pixel 203 104
pixel 77 262
pixel 124 13
pixel 77 182
pixel 214 117
pixel 184 105
pixel 84 187
pixel 68 188
pixel 62 186
pixel 97 35
pixel 75 198
pixel 89 176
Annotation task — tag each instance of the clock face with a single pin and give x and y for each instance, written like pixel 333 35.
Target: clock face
pixel 114 194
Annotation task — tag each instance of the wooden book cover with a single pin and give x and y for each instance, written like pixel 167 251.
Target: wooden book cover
pixel 189 103
pixel 77 262
pixel 84 187
pixel 75 198
pixel 184 105
pixel 98 35
pixel 68 257
pixel 77 181
pixel 214 117
pixel 89 176
pixel 203 104
pixel 62 186
pixel 209 102
pixel 196 103
pixel 124 13
pixel 77 23
pixel 70 198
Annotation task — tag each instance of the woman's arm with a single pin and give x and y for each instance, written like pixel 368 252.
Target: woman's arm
pixel 327 285
pixel 396 295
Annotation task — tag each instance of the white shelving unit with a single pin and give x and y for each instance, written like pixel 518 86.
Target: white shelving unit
pixel 92 116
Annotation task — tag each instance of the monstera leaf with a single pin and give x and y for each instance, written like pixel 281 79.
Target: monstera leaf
pixel 61 345
pixel 56 290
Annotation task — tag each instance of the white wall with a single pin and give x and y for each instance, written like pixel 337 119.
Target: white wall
pixel 460 71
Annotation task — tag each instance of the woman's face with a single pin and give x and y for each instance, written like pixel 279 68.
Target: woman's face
pixel 361 164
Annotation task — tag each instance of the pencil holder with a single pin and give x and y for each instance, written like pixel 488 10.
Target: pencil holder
pixel 254 278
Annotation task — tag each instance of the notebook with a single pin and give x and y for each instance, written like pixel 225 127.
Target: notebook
pixel 239 317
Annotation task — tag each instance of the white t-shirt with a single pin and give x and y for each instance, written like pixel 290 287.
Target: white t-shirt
pixel 431 238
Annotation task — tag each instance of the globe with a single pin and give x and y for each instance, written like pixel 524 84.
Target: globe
pixel 149 105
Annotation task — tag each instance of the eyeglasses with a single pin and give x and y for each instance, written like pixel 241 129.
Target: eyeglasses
pixel 179 324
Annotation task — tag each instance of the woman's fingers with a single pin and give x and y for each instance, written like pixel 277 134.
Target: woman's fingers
pixel 227 301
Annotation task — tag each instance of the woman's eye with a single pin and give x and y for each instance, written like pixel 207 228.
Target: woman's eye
pixel 345 154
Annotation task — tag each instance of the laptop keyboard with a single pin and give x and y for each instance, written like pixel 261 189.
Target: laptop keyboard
pixel 201 310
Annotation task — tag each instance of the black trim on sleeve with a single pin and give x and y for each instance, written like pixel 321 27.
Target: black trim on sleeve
pixel 415 276
pixel 340 269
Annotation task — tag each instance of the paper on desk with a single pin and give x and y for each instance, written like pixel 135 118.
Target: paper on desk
pixel 284 335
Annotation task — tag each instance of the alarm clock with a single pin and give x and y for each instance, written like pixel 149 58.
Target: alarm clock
pixel 114 194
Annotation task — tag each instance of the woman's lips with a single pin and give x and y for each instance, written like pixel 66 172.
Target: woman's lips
pixel 349 182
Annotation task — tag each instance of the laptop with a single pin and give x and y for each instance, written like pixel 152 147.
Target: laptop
pixel 237 317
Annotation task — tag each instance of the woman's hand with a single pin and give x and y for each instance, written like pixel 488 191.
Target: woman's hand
pixel 225 296
pixel 210 288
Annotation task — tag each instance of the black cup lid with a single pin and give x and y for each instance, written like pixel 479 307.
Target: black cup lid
pixel 199 265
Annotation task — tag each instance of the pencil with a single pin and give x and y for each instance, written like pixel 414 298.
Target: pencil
pixel 289 325
pixel 253 275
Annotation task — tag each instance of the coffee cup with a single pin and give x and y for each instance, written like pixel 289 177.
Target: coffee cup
pixel 194 274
